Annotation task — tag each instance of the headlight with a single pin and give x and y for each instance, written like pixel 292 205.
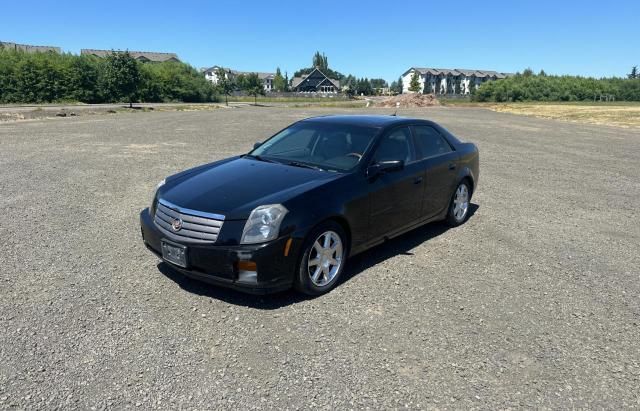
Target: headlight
pixel 263 224
pixel 155 193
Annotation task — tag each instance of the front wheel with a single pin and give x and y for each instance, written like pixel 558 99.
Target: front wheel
pixel 459 207
pixel 325 254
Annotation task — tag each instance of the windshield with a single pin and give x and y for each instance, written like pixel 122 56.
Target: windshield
pixel 327 146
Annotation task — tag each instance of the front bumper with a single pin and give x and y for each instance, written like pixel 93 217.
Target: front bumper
pixel 218 265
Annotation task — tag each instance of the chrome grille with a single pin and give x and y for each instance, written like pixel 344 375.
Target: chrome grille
pixel 196 227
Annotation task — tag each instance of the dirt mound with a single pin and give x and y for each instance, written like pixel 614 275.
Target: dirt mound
pixel 410 100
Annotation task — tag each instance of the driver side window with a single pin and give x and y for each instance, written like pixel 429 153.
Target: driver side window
pixel 395 146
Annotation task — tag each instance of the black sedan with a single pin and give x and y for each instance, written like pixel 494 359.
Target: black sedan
pixel 290 212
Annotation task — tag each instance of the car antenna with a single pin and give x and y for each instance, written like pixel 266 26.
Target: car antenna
pixel 395 113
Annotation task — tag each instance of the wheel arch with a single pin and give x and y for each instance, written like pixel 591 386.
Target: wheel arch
pixel 469 179
pixel 338 219
pixel 345 226
pixel 467 174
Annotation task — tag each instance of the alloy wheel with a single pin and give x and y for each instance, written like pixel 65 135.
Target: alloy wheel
pixel 325 258
pixel 461 202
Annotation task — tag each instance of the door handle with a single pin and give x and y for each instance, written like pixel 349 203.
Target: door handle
pixel 452 166
pixel 417 180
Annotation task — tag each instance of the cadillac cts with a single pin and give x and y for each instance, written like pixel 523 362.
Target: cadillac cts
pixel 290 212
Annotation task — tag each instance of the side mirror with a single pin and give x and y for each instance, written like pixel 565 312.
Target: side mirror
pixel 385 167
pixel 256 144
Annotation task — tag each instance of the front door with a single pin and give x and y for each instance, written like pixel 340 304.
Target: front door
pixel 395 197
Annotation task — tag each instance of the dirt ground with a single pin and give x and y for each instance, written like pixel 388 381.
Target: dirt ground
pixel 412 100
pixel 615 115
pixel 534 302
pixel 10 113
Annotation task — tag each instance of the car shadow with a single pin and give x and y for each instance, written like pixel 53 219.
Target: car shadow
pixel 357 264
pixel 397 246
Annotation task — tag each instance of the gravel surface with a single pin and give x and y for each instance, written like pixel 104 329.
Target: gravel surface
pixel 534 302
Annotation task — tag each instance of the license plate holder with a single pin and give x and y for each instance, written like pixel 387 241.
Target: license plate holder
pixel 174 253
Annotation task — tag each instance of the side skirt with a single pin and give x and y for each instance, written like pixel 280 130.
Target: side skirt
pixel 393 234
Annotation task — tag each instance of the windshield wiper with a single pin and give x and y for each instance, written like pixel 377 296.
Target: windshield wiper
pixel 304 165
pixel 289 163
pixel 259 158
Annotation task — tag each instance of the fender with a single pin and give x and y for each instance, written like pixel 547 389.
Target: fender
pixel 465 172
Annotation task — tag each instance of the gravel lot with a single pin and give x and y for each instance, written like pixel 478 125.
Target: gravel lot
pixel 535 302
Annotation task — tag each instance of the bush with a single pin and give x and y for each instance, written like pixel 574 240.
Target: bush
pixel 52 77
pixel 542 87
pixel 172 81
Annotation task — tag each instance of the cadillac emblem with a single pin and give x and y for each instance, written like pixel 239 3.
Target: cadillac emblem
pixel 176 225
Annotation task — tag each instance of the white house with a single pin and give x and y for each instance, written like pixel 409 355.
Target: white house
pixel 448 81
pixel 211 75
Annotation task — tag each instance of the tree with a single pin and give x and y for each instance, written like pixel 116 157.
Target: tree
pixel 414 84
pixel 349 90
pixel 225 84
pixel 378 85
pixel 359 86
pixel 241 82
pixel 542 73
pixel 53 77
pixel 82 80
pixel 363 87
pixel 556 88
pixel 634 73
pixel 320 61
pixel 253 86
pixel 279 83
pixel 349 81
pixel 527 72
pixel 349 85
pixel 121 76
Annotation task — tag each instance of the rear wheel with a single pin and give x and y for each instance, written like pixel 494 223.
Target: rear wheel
pixel 459 207
pixel 325 253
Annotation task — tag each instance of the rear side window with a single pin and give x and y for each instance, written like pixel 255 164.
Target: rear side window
pixel 429 142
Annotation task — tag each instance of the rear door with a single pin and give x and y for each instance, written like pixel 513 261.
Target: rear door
pixel 441 162
pixel 395 197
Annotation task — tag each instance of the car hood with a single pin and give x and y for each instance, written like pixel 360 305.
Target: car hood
pixel 236 186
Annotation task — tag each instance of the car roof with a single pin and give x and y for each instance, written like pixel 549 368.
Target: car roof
pixel 361 120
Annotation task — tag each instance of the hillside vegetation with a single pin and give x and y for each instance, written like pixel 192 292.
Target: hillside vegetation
pixel 542 87
pixel 52 77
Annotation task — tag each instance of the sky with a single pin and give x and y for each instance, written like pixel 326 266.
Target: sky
pixel 364 38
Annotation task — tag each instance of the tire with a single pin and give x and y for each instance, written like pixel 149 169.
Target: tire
pixel 459 207
pixel 320 267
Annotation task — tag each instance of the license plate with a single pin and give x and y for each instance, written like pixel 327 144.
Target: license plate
pixel 174 254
